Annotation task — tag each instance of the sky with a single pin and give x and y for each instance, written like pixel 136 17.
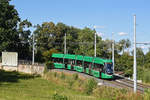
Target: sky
pixel 107 15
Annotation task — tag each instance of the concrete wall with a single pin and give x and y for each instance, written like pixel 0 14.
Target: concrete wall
pixel 30 69
pixel 9 58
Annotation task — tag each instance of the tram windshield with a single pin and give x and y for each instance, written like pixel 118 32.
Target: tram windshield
pixel 109 68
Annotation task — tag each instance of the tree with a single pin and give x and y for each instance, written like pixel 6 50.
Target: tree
pixel 50 36
pixel 24 32
pixel 124 63
pixel 124 44
pixel 86 42
pixel 9 18
pixel 147 60
pixel 140 57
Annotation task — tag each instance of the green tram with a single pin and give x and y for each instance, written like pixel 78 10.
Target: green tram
pixel 97 67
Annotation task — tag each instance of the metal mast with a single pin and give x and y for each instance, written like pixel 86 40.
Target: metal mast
pixel 33 51
pixel 65 44
pixel 134 67
pixel 113 58
pixel 95 45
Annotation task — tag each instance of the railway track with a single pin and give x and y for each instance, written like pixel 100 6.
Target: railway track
pixel 118 83
pixel 130 84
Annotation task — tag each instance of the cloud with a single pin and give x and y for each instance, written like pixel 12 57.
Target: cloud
pixel 100 34
pixel 143 47
pixel 122 33
pixel 99 26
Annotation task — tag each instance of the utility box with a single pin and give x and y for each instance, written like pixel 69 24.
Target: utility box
pixel 9 59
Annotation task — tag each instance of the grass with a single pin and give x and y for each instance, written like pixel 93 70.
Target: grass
pixel 19 86
pixel 16 86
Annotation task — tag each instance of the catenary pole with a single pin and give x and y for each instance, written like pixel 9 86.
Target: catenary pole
pixel 95 45
pixel 33 51
pixel 113 58
pixel 65 44
pixel 134 67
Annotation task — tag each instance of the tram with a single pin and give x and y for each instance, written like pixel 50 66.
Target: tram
pixel 95 66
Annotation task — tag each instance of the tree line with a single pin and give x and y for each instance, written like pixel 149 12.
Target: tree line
pixel 16 36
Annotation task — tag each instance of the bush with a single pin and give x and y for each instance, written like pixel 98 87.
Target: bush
pixel 75 76
pixel 62 76
pixel 49 64
pixel 90 85
pixel 147 94
pixel 57 96
pixel 55 74
pixel 106 93
pixel 47 54
pixel 70 83
pixel 146 76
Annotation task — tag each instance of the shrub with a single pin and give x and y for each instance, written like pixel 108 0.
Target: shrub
pixel 147 94
pixel 70 83
pixel 57 96
pixel 146 76
pixel 47 54
pixel 55 74
pixel 75 76
pixel 49 64
pixel 106 93
pixel 62 76
pixel 90 85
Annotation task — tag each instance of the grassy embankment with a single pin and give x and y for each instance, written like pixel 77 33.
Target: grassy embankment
pixel 16 86
pixel 59 86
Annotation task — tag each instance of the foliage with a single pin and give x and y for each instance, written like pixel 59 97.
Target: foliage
pixel 62 76
pixel 47 55
pixel 90 85
pixel 124 44
pixel 75 76
pixel 8 26
pixel 24 49
pixel 146 76
pixel 57 96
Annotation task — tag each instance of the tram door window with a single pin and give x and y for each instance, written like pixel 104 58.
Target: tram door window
pixel 87 65
pixel 78 63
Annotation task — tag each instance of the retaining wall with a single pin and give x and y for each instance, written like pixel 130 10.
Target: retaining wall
pixel 30 69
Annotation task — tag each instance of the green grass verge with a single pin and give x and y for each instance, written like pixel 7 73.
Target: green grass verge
pixel 24 87
pixel 59 86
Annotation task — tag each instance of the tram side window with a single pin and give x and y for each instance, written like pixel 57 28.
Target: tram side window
pixel 98 67
pixel 79 63
pixel 58 60
pixel 69 61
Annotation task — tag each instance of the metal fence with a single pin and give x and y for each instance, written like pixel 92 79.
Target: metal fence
pixel 28 62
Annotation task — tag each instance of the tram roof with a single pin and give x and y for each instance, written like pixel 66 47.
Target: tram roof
pixel 79 57
pixel 98 60
pixel 107 60
pixel 69 56
pixel 57 55
pixel 88 58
